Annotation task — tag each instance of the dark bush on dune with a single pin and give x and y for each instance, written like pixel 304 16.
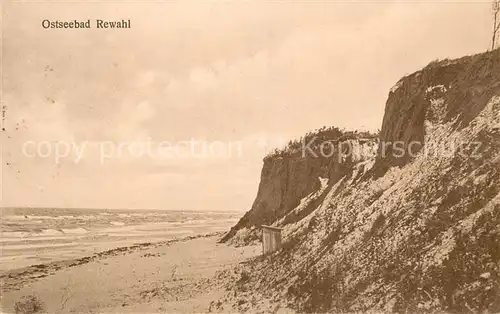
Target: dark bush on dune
pixel 28 305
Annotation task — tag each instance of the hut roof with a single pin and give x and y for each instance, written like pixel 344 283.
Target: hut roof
pixel 271 228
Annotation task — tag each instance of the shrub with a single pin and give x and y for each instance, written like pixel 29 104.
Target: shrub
pixel 28 305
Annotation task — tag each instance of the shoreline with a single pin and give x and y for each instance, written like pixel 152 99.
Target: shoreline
pixel 45 269
pixel 30 237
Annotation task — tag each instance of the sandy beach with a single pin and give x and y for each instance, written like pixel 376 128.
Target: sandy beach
pixel 169 276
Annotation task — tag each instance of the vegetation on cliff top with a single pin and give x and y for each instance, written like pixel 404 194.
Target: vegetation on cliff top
pixel 317 137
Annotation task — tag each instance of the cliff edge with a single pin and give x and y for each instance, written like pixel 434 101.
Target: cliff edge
pixel 413 228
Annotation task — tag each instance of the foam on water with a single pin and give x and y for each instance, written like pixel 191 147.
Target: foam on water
pixel 31 236
pixel 75 231
pixel 51 232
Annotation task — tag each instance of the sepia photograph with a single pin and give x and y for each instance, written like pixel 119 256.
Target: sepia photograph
pixel 264 156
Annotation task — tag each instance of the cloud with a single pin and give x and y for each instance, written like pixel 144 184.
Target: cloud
pixel 258 72
pixel 203 78
pixel 145 79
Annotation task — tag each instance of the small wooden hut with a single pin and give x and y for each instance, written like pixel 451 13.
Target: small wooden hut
pixel 271 239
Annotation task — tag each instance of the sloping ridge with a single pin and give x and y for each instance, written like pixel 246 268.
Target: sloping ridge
pixel 415 233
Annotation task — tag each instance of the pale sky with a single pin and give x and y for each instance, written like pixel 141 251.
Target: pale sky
pixel 252 73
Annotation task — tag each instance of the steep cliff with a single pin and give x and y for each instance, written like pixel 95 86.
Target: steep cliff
pixel 289 178
pixel 443 92
pixel 411 232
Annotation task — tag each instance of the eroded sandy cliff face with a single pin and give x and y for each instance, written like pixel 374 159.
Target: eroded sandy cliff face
pixel 287 180
pixel 450 91
pixel 416 233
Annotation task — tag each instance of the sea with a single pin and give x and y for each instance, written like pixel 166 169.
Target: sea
pixel 31 236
